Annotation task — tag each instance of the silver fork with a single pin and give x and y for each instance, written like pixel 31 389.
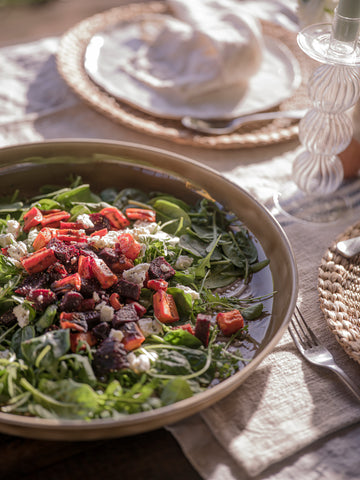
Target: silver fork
pixel 310 348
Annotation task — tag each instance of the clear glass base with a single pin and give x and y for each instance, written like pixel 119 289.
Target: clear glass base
pixel 315 41
pixel 294 203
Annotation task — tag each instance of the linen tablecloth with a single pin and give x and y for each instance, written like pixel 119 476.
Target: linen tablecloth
pixel 289 419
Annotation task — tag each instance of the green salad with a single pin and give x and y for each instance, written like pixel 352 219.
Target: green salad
pixel 120 302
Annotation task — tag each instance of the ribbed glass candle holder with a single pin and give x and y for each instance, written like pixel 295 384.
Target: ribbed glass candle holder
pixel 326 130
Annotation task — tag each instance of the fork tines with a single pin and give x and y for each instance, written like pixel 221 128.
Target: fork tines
pixel 305 335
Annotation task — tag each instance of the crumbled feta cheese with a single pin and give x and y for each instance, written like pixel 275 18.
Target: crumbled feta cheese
pixel 106 312
pixel 6 239
pixel 183 262
pixel 193 293
pixel 116 335
pixel 142 229
pixel 96 297
pixel 33 233
pixel 107 240
pixel 139 363
pixel 22 315
pixel 149 326
pixel 17 250
pixel 13 227
pixel 137 274
pixel 85 220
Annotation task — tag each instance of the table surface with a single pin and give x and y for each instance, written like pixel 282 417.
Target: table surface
pixel 153 455
pixel 34 459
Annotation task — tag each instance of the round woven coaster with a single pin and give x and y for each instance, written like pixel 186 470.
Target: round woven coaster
pixel 70 61
pixel 339 292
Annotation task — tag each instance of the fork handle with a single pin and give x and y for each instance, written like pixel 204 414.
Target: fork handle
pixel 346 380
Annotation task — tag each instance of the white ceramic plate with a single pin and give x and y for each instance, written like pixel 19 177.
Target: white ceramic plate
pixel 276 80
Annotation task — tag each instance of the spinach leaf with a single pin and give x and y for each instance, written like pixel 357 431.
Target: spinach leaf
pixel 56 343
pixel 172 362
pixel 183 302
pixel 81 193
pixel 252 311
pixel 46 319
pixel 182 337
pixel 125 196
pixel 167 211
pixel 175 390
pixel 222 275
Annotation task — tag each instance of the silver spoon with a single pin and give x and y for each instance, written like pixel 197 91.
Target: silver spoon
pixel 220 127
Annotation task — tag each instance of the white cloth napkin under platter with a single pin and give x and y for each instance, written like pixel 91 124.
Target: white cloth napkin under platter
pixel 206 46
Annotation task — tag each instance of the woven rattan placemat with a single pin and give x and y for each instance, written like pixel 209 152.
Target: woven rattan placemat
pixel 339 291
pixel 70 61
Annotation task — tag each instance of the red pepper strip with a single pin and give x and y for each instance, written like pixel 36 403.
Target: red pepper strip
pixel 157 284
pixel 43 238
pixel 133 336
pixel 141 214
pixel 69 324
pixel 52 210
pixel 76 338
pixel 230 322
pixel 70 282
pixel 84 267
pixel 116 218
pixel 128 246
pixel 99 233
pixel 32 218
pixel 39 261
pixel 72 225
pixel 71 238
pixel 71 231
pixel 102 272
pixel 53 220
pixel 114 301
pixel 165 307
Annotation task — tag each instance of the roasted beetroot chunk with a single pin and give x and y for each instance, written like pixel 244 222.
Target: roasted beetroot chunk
pixel 101 330
pixel 99 222
pixel 33 282
pixel 116 262
pixel 66 254
pixel 160 268
pixel 202 328
pixel 127 289
pixel 109 357
pixel 42 298
pixel 125 314
pixel 71 302
pixel 89 286
pixel 92 318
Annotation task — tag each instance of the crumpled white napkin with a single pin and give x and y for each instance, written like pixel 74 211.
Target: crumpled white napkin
pixel 208 45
